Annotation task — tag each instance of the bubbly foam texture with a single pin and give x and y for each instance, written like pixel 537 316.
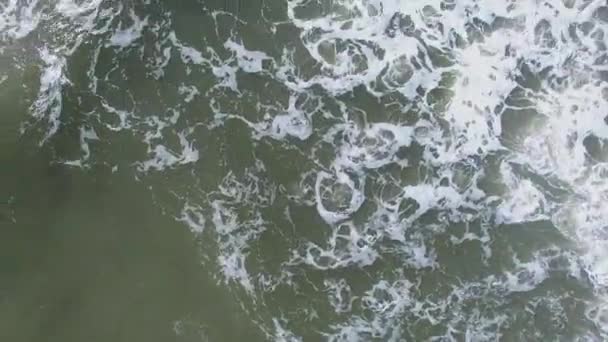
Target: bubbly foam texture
pixel 562 39
pixel 163 157
pixel 125 37
pixel 283 335
pixel 18 18
pixel 235 232
pixel 49 103
pixel 485 116
pixel 525 203
pixel 87 134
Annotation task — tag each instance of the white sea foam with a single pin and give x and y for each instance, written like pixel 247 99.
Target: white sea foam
pixel 289 122
pixel 49 103
pixel 283 335
pixel 464 66
pixel 235 231
pixel 19 18
pixel 339 295
pixel 189 92
pixel 344 37
pixel 163 157
pixel 124 117
pixel 124 37
pixel 87 134
pixel 248 60
pixel 193 217
pixel 188 54
pixel 560 150
pixel 525 203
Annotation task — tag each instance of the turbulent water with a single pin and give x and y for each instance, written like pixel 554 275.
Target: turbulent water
pixel 304 170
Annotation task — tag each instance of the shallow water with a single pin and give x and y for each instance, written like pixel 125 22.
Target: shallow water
pixel 295 170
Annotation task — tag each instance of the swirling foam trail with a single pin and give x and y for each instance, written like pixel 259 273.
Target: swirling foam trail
pixel 381 44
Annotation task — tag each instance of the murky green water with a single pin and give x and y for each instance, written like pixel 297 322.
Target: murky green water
pixel 352 170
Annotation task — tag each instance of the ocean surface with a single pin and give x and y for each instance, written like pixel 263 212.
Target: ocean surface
pixel 303 170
